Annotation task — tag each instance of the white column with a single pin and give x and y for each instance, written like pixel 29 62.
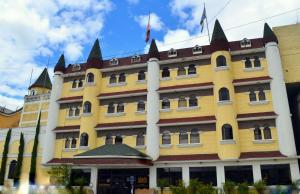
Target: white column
pixel 295 175
pixel 49 143
pixel 153 108
pixel 220 175
pixel 94 179
pixel 256 172
pixel 186 174
pixel 152 177
pixel 280 101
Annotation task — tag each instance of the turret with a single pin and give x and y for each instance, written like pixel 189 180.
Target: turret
pixel 219 41
pixel 279 94
pixel 95 56
pixel 153 51
pixel 60 65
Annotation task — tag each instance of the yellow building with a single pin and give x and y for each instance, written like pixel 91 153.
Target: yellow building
pixel 215 112
pixel 8 118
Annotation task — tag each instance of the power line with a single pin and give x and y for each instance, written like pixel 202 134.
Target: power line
pixel 213 18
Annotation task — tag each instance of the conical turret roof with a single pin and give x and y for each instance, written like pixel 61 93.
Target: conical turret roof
pixel 218 40
pixel 43 80
pixel 60 65
pixel 269 35
pixel 153 50
pixel 95 56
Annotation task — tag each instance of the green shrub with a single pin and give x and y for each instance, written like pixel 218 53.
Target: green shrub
pixel 162 183
pixel 229 187
pixel 206 189
pixel 179 189
pixel 243 188
pixel 260 186
pixel 193 186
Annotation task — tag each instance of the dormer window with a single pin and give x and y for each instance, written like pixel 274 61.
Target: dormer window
pixel 172 53
pixel 76 67
pixel 114 61
pixel 136 59
pixel 245 43
pixel 197 49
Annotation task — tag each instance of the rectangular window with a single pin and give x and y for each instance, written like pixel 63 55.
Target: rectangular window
pixel 239 174
pixel 76 174
pixel 172 175
pixel 207 175
pixel 279 174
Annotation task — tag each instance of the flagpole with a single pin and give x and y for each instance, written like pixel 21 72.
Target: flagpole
pixel 207 25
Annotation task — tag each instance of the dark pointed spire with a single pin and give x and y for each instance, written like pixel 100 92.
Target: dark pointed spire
pixel 95 56
pixel 60 65
pixel 269 35
pixel 219 41
pixel 43 81
pixel 153 51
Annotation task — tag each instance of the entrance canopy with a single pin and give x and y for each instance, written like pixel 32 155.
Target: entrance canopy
pixel 110 155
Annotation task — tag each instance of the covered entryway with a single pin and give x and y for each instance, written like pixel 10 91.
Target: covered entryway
pixel 120 168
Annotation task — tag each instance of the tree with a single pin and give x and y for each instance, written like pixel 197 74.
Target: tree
pixel 20 161
pixel 32 172
pixel 4 157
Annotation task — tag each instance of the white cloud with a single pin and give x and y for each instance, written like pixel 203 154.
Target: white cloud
pixel 133 2
pixel 30 30
pixel 155 21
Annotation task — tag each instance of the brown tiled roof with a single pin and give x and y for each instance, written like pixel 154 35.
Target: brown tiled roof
pixel 122 93
pixel 184 52
pixel 70 98
pixel 258 114
pixel 186 86
pixel 120 124
pixel 102 161
pixel 186 120
pixel 264 78
pixel 188 157
pixel 66 128
pixel 270 154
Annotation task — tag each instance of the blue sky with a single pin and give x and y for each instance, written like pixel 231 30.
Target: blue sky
pixel 32 31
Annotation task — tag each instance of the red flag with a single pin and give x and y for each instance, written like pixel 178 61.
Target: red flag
pixel 148 30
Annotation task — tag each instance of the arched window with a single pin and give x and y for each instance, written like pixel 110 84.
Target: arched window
pixel 11 171
pixel 257 62
pixel 71 112
pixel 183 138
pixel 67 143
pixel 267 132
pixel 118 139
pixel 248 63
pixel 192 69
pixel 111 108
pixel 87 107
pixel 80 83
pixel 77 111
pixel 195 137
pixel 224 94
pixel 193 101
pixel 261 95
pixel 33 92
pixel 120 107
pixel 227 133
pixel 181 71
pixel 140 140
pixel 122 78
pixel 74 83
pixel 73 143
pixel 90 78
pixel 141 106
pixel 165 103
pixel 182 102
pixel 221 61
pixel 113 79
pixel 108 140
pixel 257 133
pixel 252 95
pixel 166 138
pixel 165 72
pixel 141 75
pixel 84 139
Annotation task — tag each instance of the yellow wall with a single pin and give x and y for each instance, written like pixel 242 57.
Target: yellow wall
pixel 289 41
pixel 10 121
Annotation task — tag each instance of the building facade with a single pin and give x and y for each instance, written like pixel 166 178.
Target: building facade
pixel 215 112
